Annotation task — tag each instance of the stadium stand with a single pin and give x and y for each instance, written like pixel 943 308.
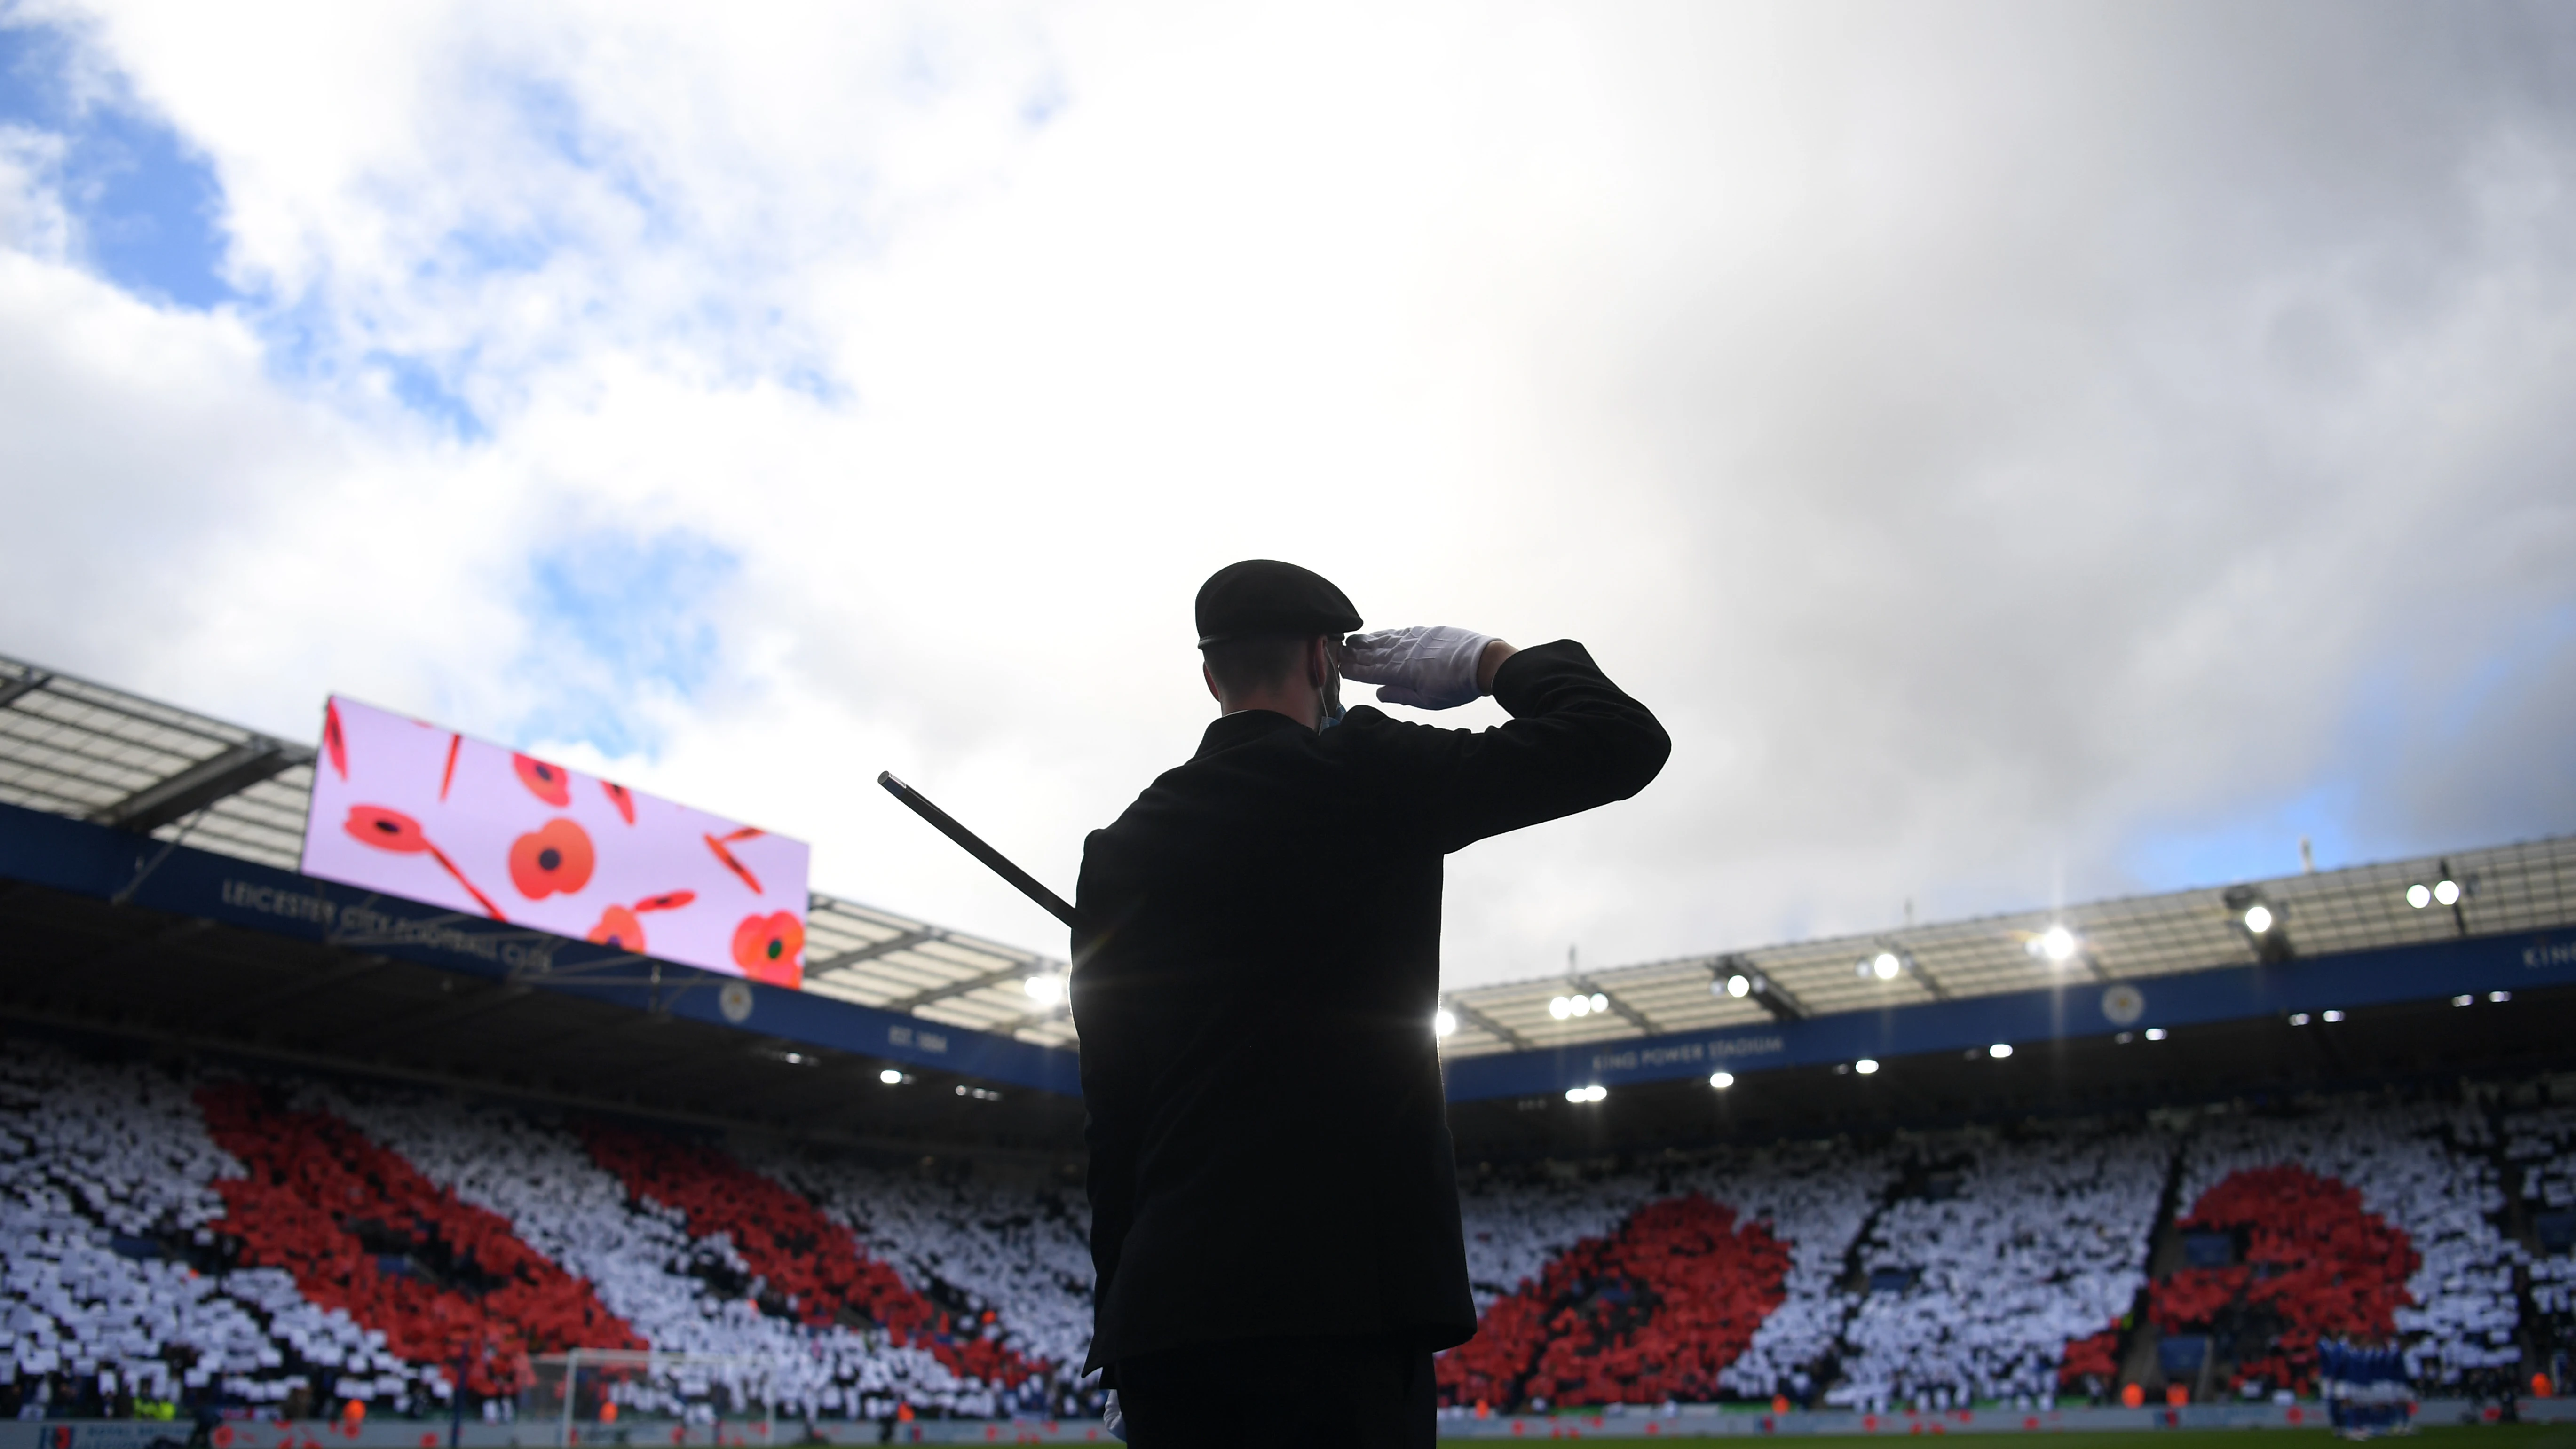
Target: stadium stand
pixel 2539 1144
pixel 1995 1255
pixel 322 1242
pixel 2367 1220
pixel 292 1242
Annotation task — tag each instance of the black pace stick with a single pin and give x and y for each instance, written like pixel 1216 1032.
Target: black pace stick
pixel 976 847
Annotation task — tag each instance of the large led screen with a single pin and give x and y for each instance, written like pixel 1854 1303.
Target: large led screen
pixel 413 810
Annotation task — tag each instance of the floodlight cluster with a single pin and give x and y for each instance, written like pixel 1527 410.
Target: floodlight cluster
pixel 2057 944
pixel 2445 891
pixel 1593 1093
pixel 1444 1022
pixel 1565 1007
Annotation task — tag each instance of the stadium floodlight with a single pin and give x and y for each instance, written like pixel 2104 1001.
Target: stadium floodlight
pixel 1045 990
pixel 1559 1007
pixel 2419 895
pixel 1578 1005
pixel 2000 1050
pixel 1444 1022
pixel 1739 986
pixel 1594 1093
pixel 1885 966
pixel 1600 1001
pixel 2467 999
pixel 1721 1080
pixel 2258 918
pixel 2447 892
pixel 2155 1033
pixel 2057 944
pixel 2298 1018
pixel 2334 1016
pixel 2499 997
pixel 1865 1066
pixel 891 1077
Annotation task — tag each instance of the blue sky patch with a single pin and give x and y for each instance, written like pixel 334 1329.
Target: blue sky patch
pixel 419 388
pixel 616 617
pixel 2261 842
pixel 147 206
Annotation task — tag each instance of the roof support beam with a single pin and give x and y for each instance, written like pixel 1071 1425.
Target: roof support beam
pixel 1770 995
pixel 887 947
pixel 929 994
pixel 201 785
pixel 1481 1022
pixel 22 686
pixel 1630 1014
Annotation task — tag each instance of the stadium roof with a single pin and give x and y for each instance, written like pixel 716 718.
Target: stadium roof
pixel 86 750
pixel 73 747
pixel 2523 887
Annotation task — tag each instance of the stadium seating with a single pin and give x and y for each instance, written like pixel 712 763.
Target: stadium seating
pixel 1997 1255
pixel 1772 1225
pixel 292 1243
pixel 355 1243
pixel 2366 1220
pixel 2540 1143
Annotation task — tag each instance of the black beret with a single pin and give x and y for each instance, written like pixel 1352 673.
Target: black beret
pixel 1265 596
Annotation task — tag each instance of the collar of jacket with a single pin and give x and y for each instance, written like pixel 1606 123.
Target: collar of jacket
pixel 1243 727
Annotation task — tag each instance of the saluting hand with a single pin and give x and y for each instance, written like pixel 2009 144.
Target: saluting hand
pixel 1435 667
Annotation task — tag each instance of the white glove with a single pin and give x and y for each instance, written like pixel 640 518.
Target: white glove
pixel 1433 668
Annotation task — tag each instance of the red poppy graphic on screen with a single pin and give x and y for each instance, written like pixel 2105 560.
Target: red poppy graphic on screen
pixel 618 797
pixel 394 831
pixel 334 742
pixel 554 857
pixel 766 947
pixel 618 927
pixel 447 776
pixel 730 863
pixel 550 783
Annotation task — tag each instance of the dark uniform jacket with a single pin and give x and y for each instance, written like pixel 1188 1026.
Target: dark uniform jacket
pixel 1256 970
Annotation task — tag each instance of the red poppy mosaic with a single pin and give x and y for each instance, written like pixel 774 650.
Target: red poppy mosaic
pixel 2314 1263
pixel 434 816
pixel 1650 1313
pixel 326 1204
pixel 810 1268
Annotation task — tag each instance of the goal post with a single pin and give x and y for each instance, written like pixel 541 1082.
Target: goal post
pixel 606 1395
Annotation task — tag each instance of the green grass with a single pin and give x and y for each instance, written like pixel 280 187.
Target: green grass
pixel 2429 1436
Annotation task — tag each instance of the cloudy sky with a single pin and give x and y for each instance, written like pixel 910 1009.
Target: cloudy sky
pixel 2024 452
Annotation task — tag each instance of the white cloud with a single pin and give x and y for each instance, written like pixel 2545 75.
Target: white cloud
pixel 2012 447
